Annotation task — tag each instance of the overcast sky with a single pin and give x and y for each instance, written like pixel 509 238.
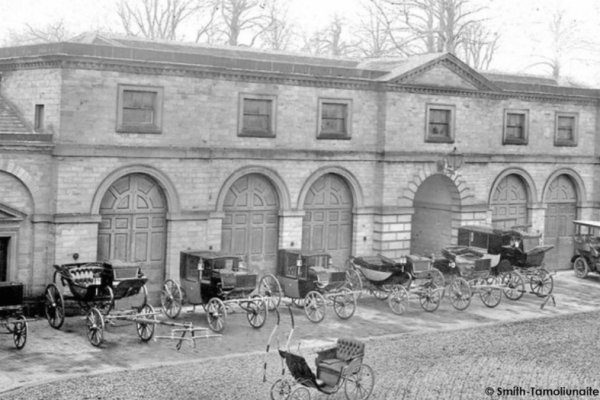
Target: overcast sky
pixel 522 24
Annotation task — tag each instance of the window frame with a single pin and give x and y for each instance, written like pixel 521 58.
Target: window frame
pixel 347 135
pixel 506 140
pixel 38 118
pixel 562 142
pixel 429 138
pixel 154 128
pixel 273 122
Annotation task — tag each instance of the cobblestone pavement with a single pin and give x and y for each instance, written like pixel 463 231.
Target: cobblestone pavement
pixel 417 355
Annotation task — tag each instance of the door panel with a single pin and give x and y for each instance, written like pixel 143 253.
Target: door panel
pixel 561 210
pixel 509 203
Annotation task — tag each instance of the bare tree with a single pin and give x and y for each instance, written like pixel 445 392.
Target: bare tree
pixel 478 47
pixel 372 34
pixel 155 19
pixel 238 17
pixel 279 32
pixel 330 40
pixel 56 31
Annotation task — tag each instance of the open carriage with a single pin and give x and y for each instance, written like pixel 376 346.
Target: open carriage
pixel 11 312
pixel 311 282
pixel 411 277
pixel 93 285
pixel 215 281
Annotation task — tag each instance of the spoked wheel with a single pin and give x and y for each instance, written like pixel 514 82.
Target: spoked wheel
pixel 257 313
pixel 353 281
pixel 382 292
pixel 514 285
pixel 490 296
pixel 398 299
pixel 145 330
pixel 105 300
pixel 460 294
pixel 344 303
pixel 298 302
pixel 438 279
pixel 314 306
pixel 300 393
pixel 216 314
pixel 281 390
pixel 95 327
pixel 171 298
pixel 432 297
pixel 581 267
pixel 19 332
pixel 54 306
pixel 359 384
pixel 542 283
pixel 270 289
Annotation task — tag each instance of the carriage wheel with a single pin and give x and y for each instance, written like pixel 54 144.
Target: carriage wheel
pixel 257 313
pixel 490 296
pixel 460 294
pixel 269 288
pixel 105 300
pixel 515 288
pixel 171 299
pixel 315 307
pixel 19 332
pixel 344 303
pixel 300 393
pixel 439 280
pixel 54 306
pixel 359 384
pixel 300 303
pixel 382 292
pixel 353 282
pixel 281 390
pixel 581 267
pixel 432 297
pixel 398 300
pixel 95 327
pixel 145 330
pixel 542 283
pixel 216 314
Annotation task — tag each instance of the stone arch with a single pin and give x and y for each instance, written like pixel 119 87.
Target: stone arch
pixel 464 192
pixel 520 195
pixel 32 188
pixel 276 180
pixel 349 178
pixel 524 175
pixel 575 178
pixel 163 181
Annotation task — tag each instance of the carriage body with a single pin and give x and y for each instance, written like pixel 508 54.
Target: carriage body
pixel 11 312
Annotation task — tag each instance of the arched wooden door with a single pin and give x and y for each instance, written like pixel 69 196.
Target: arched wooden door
pixel 133 227
pixel 327 224
pixel 509 203
pixel 561 201
pixel 251 224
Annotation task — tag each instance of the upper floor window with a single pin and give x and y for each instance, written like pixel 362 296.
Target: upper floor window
pixel 257 115
pixel 139 109
pixel 334 119
pixel 516 126
pixel 38 124
pixel 566 129
pixel 440 123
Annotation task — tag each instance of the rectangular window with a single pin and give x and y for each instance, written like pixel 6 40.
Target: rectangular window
pixel 257 115
pixel 139 110
pixel 39 118
pixel 566 129
pixel 440 123
pixel 334 119
pixel 516 127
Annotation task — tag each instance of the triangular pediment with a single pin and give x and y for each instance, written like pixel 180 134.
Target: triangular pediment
pixel 10 214
pixel 444 71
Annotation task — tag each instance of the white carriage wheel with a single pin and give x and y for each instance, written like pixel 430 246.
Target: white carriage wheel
pixel 398 300
pixel 542 283
pixel 281 389
pixel 460 294
pixel 270 289
pixel 514 285
pixel 490 296
pixel 359 383
pixel 431 298
pixel 145 330
pixel 171 299
pixel 257 312
pixel 95 326
pixel 344 303
pixel 315 306
pixel 300 393
pixel 216 314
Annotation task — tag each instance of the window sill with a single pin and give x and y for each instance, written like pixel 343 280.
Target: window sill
pixel 565 144
pixel 258 134
pixel 433 139
pixel 515 142
pixel 139 129
pixel 333 136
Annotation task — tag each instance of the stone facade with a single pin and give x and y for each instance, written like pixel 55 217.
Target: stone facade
pixel 389 167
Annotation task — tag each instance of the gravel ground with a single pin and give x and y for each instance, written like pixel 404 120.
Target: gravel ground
pixel 545 353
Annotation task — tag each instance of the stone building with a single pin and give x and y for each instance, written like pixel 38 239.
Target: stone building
pixel 130 149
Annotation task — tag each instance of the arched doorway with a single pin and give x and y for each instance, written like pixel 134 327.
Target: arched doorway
pixel 251 224
pixel 436 200
pixel 327 223
pixel 509 203
pixel 561 201
pixel 133 226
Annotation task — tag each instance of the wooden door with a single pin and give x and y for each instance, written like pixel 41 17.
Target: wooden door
pixel 509 203
pixel 133 226
pixel 327 224
pixel 561 201
pixel 251 224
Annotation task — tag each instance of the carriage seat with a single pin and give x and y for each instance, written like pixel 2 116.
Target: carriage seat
pixel 330 362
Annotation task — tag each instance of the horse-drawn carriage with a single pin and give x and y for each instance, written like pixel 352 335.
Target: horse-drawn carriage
pixel 215 281
pixel 311 282
pixel 411 277
pixel 11 312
